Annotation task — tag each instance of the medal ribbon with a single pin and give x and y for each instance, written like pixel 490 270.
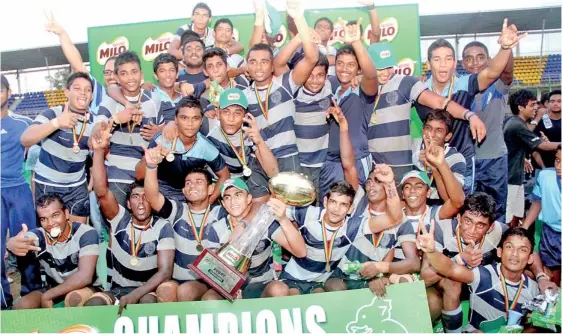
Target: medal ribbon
pixel 136 245
pixel 374 114
pixel 82 130
pixel 198 236
pixel 420 221
pixel 328 244
pixel 132 128
pixel 506 297
pixel 376 240
pixel 451 87
pixel 52 242
pixel 263 109
pixel 459 243
pixel 240 155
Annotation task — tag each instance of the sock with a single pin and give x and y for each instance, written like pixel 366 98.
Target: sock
pixel 452 320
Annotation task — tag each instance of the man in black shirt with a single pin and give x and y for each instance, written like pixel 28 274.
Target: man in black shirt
pixel 550 127
pixel 519 141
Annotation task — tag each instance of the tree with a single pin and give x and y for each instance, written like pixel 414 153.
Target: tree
pixel 58 79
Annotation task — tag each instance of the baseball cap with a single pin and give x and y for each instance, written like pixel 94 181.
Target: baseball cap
pixel 382 55
pixel 418 175
pixel 4 82
pixel 231 97
pixel 235 182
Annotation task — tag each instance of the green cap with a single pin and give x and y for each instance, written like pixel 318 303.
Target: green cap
pixel 418 175
pixel 273 20
pixel 235 182
pixel 382 55
pixel 231 97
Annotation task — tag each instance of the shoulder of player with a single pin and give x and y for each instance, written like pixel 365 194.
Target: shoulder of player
pixel 205 143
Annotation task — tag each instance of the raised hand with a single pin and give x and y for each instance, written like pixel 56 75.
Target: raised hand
pixel 338 115
pixel 278 208
pixel 472 256
pixel 52 25
pixel 170 132
pixel 102 136
pixel 20 244
pixel 252 131
pixel 384 173
pixel 435 155
pixel 509 38
pixel 294 8
pixel 426 240
pixel 154 156
pixel 149 130
pixel 67 119
pixel 352 32
pixel 131 112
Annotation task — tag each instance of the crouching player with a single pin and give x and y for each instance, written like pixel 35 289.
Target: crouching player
pixel 66 251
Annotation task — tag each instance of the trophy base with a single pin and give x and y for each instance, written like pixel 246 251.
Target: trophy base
pixel 222 277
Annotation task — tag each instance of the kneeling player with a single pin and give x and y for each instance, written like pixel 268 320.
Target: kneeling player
pixel 142 246
pixel 67 252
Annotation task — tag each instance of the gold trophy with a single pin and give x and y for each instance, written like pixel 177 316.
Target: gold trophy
pixel 225 270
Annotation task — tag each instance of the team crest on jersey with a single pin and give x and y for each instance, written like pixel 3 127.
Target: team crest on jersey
pixel 391 98
pixel 275 97
pixel 324 104
pixel 261 246
pixel 149 248
pixel 74 258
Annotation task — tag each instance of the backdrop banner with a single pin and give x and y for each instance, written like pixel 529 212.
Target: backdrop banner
pixel 403 310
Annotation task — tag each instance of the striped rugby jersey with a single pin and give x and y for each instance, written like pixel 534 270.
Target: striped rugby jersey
pixel 60 260
pixel 278 129
pixel 407 231
pixel 312 268
pixel 159 236
pixel 239 82
pixel 261 263
pixel 58 165
pixel 125 148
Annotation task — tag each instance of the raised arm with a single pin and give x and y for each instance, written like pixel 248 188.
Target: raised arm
pixel 45 124
pixel 263 153
pixel 69 50
pixel 100 144
pixel 304 67
pixel 153 157
pixel 374 19
pixel 394 214
pixel 508 40
pixel 347 155
pixel 369 84
pixel 291 238
pixel 259 28
pixel 282 58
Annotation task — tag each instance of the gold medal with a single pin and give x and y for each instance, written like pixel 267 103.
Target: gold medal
pixel 198 234
pixel 75 148
pixel 374 117
pixel 199 248
pixel 247 171
pixel 170 157
pixel 134 261
pixel 328 268
pixel 374 114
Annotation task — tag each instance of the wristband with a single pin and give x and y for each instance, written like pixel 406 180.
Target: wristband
pixel 471 115
pixel 541 276
pixel 446 104
pixel 55 123
pixel 115 120
pixel 508 48
pixel 464 114
pixel 151 167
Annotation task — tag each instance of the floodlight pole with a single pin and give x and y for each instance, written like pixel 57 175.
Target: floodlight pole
pixel 542 40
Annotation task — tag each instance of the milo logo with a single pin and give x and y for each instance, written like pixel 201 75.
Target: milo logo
pixel 406 66
pixel 339 32
pixel 280 38
pixel 153 47
pixel 114 48
pixel 231 256
pixel 389 29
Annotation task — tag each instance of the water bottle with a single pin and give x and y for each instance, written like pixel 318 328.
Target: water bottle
pixel 547 122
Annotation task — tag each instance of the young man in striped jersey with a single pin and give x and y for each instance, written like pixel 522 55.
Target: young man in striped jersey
pixel 142 246
pixel 67 252
pixel 239 141
pixel 64 132
pixel 498 290
pixel 236 199
pixel 437 131
pixel 271 99
pixel 190 223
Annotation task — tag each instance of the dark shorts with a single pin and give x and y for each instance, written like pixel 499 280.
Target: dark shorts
pixel 119 292
pixel 289 164
pixel 304 287
pixel 253 290
pixel 258 182
pixel 354 284
pixel 313 174
pixel 549 247
pixel 76 199
pixel 491 178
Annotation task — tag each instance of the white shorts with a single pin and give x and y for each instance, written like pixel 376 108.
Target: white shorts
pixel 515 202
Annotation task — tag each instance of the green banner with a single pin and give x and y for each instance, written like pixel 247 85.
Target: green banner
pixel 403 310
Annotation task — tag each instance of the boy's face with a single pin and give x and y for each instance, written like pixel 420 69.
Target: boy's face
pixel 236 201
pixel 347 68
pixel 557 162
pixel 166 74
pixel 515 253
pixel 442 64
pixel 337 207
pixel 130 76
pixel 473 226
pixel 436 132
pixel 316 80
pixel 223 33
pixel 324 29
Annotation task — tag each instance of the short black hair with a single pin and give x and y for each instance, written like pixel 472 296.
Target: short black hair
pixel 518 231
pixel 327 20
pixel 442 116
pixel 202 5
pixel 133 186
pixel 192 39
pixel 223 20
pixel 482 204
pixel 475 44
pixel 346 49
pixel 440 43
pixel 125 58
pixel 108 60
pixel 212 52
pixel 200 170
pixel 554 92
pixel 559 147
pixel 322 61
pixel 545 97
pixel 164 58
pixel 342 188
pixel 77 75
pixel 189 101
pixel 520 98
pixel 260 47
pixel 188 34
pixel 46 200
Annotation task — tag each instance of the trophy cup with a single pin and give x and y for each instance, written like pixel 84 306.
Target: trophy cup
pixel 225 270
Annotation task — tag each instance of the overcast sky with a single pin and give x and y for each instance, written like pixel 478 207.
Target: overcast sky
pixel 22 22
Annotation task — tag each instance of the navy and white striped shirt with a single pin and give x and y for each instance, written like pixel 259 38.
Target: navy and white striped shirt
pixel 278 130
pixel 312 268
pixel 185 240
pixel 158 237
pixel 58 165
pixel 407 231
pixel 239 82
pixel 261 263
pixel 487 305
pixel 98 94
pixel 123 154
pixel 311 127
pixel 60 260
pixel 209 38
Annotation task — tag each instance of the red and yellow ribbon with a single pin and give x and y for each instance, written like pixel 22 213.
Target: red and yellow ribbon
pixel 459 243
pixel 264 109
pixel 198 235
pixel 53 241
pixel 240 155
pixel 328 243
pixel 136 245
pixel 505 295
